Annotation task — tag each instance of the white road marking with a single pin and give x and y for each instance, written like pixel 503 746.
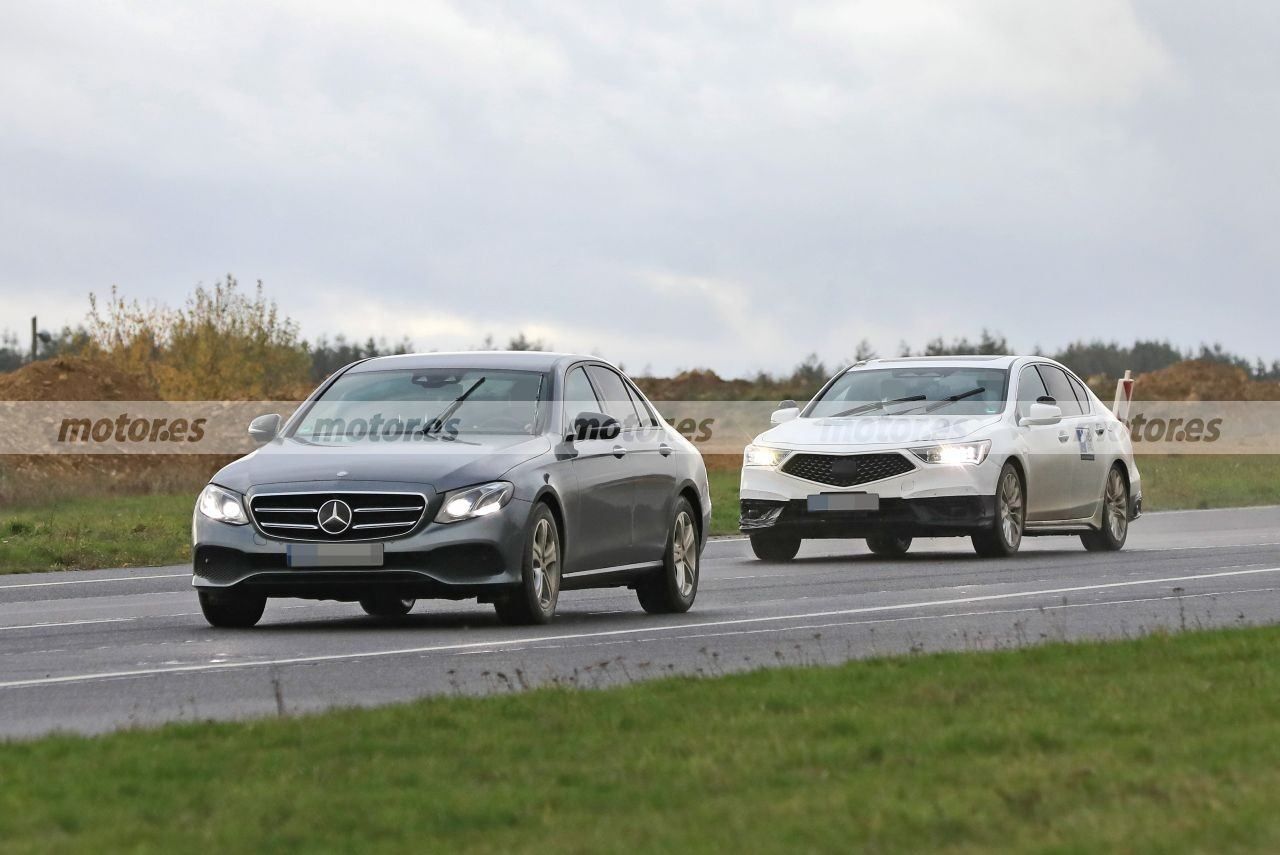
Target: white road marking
pixel 111 620
pixel 879 621
pixel 96 581
pixel 914 618
pixel 70 623
pixel 514 642
pixel 817 555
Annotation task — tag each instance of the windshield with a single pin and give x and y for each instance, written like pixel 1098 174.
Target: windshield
pixel 426 403
pixel 914 390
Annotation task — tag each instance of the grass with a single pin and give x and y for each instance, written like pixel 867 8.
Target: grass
pixel 1167 743
pixel 724 500
pixel 1209 481
pixel 98 531
pixel 147 530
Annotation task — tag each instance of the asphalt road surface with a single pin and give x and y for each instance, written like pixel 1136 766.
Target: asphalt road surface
pixel 99 650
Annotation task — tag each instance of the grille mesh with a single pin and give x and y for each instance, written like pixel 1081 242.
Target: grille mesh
pixel 373 516
pixel 846 470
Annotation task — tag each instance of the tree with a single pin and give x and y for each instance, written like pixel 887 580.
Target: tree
pixel 521 342
pixel 810 374
pixel 864 351
pixel 1110 359
pixel 988 344
pixel 223 344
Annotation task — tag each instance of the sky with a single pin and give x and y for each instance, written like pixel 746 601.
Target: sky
pixel 723 184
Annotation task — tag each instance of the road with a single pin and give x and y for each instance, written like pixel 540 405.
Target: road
pixel 99 650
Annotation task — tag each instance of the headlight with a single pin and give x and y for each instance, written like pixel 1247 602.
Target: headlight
pixel 221 505
pixel 955 453
pixel 474 502
pixel 763 455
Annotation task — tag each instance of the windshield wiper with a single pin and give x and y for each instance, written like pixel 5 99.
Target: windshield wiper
pixel 437 424
pixel 876 405
pixel 960 396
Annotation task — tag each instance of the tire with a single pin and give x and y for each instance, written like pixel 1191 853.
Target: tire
pixel 1115 516
pixel 534 599
pixel 231 609
pixel 1004 536
pixel 673 588
pixel 386 606
pixel 775 547
pixel 889 545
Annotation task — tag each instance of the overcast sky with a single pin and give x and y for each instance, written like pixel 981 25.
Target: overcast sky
pixel 726 184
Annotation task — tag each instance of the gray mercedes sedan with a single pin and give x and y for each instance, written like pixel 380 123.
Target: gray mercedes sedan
pixel 506 477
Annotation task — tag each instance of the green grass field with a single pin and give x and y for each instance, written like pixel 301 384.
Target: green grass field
pixel 724 500
pixel 1209 481
pixel 1168 743
pixel 148 530
pixel 98 531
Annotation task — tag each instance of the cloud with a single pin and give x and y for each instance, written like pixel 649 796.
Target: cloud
pixel 723 184
pixel 1091 53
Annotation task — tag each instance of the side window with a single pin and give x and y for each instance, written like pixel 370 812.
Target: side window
pixel 579 397
pixel 1030 389
pixel 647 416
pixel 614 396
pixel 1060 389
pixel 1081 394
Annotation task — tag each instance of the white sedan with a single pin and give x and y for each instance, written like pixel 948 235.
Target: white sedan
pixel 995 448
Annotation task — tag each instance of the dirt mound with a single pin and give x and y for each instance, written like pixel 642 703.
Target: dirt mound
pixel 702 384
pixel 1200 380
pixel 74 378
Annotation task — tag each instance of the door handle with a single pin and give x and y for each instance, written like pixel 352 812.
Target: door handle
pixel 1099 429
pixel 1063 436
pixel 619 452
pixel 665 450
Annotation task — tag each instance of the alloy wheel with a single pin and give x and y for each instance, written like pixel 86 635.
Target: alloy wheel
pixel 546 564
pixel 684 553
pixel 1011 508
pixel 1116 511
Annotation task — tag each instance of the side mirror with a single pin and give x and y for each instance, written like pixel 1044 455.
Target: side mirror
pixel 1042 414
pixel 263 429
pixel 785 413
pixel 595 426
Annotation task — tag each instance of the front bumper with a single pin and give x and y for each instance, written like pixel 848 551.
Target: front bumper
pixel 473 558
pixel 931 500
pixel 941 516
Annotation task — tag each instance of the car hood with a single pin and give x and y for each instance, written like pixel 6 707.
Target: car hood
pixel 874 431
pixel 440 465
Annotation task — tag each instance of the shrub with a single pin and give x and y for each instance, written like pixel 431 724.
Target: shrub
pixel 222 345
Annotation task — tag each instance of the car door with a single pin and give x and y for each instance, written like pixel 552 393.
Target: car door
pixel 651 472
pixel 1077 456
pixel 1095 450
pixel 656 483
pixel 600 530
pixel 1049 472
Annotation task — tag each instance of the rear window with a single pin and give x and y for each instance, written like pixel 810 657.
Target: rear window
pixel 1082 395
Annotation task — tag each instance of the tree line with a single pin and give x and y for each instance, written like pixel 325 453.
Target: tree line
pixel 228 338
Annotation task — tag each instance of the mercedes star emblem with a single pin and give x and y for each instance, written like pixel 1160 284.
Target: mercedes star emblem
pixel 334 516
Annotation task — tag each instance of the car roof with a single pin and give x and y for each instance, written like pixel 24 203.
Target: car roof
pixel 986 361
pixel 512 360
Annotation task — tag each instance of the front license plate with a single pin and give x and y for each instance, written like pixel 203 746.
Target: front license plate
pixel 334 554
pixel 844 502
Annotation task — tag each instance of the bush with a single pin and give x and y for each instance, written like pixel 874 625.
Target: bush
pixel 222 345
